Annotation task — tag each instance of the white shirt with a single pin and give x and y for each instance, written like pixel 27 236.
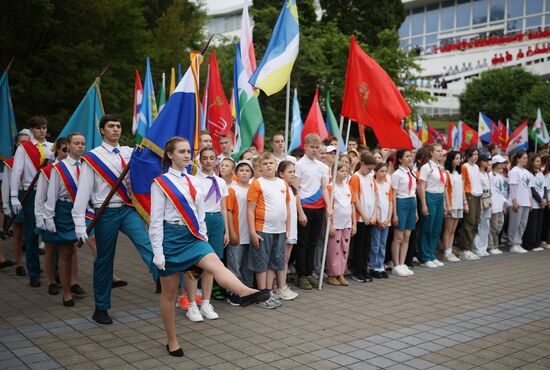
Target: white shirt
pixel 293 211
pixel 241 194
pixel 342 206
pixel 210 204
pixel 311 174
pixel 431 173
pixel 457 190
pixel 285 157
pixel 364 186
pixel 6 190
pixel 57 189
pixel 23 169
pixel 538 183
pixel 272 198
pixel 383 197
pixel 92 187
pixel 521 177
pixel 42 194
pixel 472 180
pixel 162 208
pixel 400 183
pixel 546 178
pixel 499 193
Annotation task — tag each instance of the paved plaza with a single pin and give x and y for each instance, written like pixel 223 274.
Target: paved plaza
pixel 489 314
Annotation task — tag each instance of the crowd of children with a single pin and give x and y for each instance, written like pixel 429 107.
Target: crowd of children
pixel 265 215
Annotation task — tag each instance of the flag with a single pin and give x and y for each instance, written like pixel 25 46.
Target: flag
pixel 519 140
pixel 494 132
pixel 539 133
pixel 416 142
pixel 259 138
pixel 372 99
pixel 452 137
pixel 484 128
pixel 296 124
pixel 138 98
pixel 424 133
pixel 172 80
pixel 314 123
pixel 436 137
pixel 276 66
pixel 332 125
pixel 8 129
pixel 179 73
pixel 362 136
pixel 216 110
pixel 162 93
pixel 469 136
pixel 86 117
pixel 148 109
pixel 180 117
pixel 503 136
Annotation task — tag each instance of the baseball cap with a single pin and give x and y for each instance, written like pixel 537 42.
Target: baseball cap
pixel 244 162
pixel 498 159
pixel 484 156
pixel 331 148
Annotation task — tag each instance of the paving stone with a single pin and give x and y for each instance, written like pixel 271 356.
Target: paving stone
pixel 419 363
pixel 344 360
pixel 362 354
pixel 381 362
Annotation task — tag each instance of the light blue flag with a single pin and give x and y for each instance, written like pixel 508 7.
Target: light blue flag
pixel 86 117
pixel 8 130
pixel 296 125
pixel 148 109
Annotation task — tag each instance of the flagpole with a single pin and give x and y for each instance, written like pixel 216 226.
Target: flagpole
pixel 205 108
pixel 9 65
pixel 334 170
pixel 348 131
pixel 287 114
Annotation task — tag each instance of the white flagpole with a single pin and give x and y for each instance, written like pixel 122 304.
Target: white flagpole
pixel 205 113
pixel 287 114
pixel 347 133
pixel 334 169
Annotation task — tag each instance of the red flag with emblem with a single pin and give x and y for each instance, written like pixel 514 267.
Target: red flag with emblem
pixel 436 137
pixel 215 105
pixel 502 141
pixel 372 99
pixel 469 137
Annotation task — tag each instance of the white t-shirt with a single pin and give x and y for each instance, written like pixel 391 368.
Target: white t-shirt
pixel 472 181
pixel 499 193
pixel 434 176
pixel 400 183
pixel 293 210
pixel 521 177
pixel 241 194
pixel 364 187
pixel 210 204
pixel 538 182
pixel 311 174
pixel 271 197
pixel 456 190
pixel 383 196
pixel 342 206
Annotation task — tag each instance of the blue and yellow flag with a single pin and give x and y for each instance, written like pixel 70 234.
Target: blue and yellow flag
pixel 274 70
pixel 86 117
pixel 8 130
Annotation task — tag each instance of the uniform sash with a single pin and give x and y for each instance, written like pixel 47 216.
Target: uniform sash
pixel 68 179
pixel 109 174
pixel 181 202
pixel 9 162
pixel 47 171
pixel 33 153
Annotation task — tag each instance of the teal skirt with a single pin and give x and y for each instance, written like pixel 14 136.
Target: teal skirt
pixel 64 225
pixel 215 229
pixel 182 250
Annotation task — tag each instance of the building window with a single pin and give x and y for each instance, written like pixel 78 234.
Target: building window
pixel 447 15
pixel 533 22
pixel 515 8
pixel 463 10
pixel 497 10
pixel 432 18
pixel 534 7
pixel 417 20
pixel 404 30
pixel 480 11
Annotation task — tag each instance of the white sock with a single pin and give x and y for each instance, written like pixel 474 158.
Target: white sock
pixel 205 302
pixel 192 304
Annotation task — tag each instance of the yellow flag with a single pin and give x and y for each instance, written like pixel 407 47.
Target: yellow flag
pixel 172 81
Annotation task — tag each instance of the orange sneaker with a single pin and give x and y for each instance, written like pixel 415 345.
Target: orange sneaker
pixel 183 301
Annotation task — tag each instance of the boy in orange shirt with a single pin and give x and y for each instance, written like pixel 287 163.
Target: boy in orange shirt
pixel 268 223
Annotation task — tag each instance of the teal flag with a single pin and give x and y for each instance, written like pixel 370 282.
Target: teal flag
pixel 332 125
pixel 7 121
pixel 86 117
pixel 148 109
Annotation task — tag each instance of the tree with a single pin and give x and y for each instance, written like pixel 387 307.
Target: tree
pixel 537 97
pixel 496 93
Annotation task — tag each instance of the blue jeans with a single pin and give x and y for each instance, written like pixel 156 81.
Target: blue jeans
pixel 378 247
pixel 431 226
pixel 236 257
pixel 31 238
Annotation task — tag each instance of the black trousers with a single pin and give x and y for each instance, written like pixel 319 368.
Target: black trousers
pixel 532 236
pixel 307 241
pixel 361 248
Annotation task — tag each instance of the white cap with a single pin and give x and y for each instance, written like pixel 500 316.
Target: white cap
pixel 497 159
pixel 331 148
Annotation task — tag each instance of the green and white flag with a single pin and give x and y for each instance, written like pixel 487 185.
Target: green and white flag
pixel 162 94
pixel 539 133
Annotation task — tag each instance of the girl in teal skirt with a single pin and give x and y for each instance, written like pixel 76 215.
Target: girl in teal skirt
pixel 178 235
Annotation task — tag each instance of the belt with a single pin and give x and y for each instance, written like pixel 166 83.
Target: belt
pixel 66 199
pixel 177 222
pixel 211 213
pixel 110 205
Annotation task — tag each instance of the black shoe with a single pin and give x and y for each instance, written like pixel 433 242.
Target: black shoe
pixel 258 297
pixel 377 274
pixel 360 278
pixel 158 289
pixel 76 289
pixel 385 275
pixel 69 303
pixel 368 277
pixel 53 289
pixel 233 299
pixel 102 317
pixel 6 263
pixel 119 284
pixel 34 282
pixel 176 353
pixel 20 271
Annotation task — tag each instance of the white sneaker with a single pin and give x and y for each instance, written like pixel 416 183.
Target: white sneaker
pixel 546 246
pixel 486 254
pixel 474 256
pixel 399 271
pixel 479 254
pixel 207 310
pixel 41 245
pixel 537 249
pixel 407 270
pixel 193 314
pixel 438 263
pixel 517 249
pixel 286 294
pixel 495 251
pixel 429 265
pixel 468 256
pixel 452 258
pixel 415 260
pixel 543 243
